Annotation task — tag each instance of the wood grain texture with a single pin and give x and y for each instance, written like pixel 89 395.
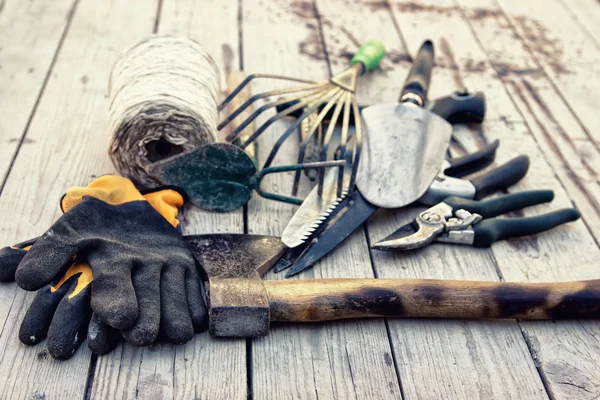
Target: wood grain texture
pixel 586 14
pixel 67 142
pixel 205 367
pixel 564 51
pixel 451 370
pixel 31 36
pixel 569 149
pixel 560 254
pixel 335 360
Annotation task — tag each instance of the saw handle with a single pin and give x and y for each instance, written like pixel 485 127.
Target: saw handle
pixel 495 229
pixel 501 178
pixel 417 82
pixel 333 299
pixel 460 107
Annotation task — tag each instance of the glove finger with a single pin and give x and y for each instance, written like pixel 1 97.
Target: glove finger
pixel 175 321
pixel 114 298
pixel 39 315
pixel 196 305
pixel 10 257
pixel 102 339
pixel 70 323
pixel 146 282
pixel 49 257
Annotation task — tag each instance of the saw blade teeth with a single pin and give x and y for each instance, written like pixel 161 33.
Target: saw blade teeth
pixel 323 217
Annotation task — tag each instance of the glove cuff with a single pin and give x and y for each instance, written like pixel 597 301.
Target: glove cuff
pixel 115 190
pixel 111 189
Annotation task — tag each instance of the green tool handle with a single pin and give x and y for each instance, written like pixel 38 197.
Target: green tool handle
pixel 502 204
pixel 492 230
pixel 369 55
pixel 417 82
pixel 501 178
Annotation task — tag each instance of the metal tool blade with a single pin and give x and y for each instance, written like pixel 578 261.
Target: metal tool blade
pixel 357 212
pixel 404 231
pixel 314 210
pixel 413 235
pixel 402 152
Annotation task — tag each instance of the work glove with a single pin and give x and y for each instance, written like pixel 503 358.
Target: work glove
pixel 147 258
pixel 61 310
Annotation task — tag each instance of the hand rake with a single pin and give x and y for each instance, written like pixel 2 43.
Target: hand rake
pixel 312 98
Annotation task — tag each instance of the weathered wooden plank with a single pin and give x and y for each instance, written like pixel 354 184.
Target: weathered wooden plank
pixel 564 51
pixel 31 36
pixel 567 146
pixel 585 13
pixel 65 146
pixel 435 359
pixel 204 367
pixel 565 253
pixel 566 352
pixel 335 360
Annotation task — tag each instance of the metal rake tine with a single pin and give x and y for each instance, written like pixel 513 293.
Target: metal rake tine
pixel 343 141
pixel 327 138
pixel 261 109
pixel 317 92
pixel 311 132
pixel 289 131
pixel 358 133
pixel 250 77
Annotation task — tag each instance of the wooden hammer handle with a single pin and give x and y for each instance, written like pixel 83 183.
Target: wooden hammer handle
pixel 331 299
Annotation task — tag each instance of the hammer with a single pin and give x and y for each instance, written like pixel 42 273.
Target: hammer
pixel 241 304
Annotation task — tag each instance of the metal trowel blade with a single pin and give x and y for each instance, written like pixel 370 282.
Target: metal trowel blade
pixel 403 148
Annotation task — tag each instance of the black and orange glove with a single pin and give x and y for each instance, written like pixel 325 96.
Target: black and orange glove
pixel 146 256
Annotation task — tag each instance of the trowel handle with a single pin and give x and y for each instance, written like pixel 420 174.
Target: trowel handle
pixel 417 83
pixel 331 299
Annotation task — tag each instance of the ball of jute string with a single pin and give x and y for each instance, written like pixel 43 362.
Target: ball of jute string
pixel 163 96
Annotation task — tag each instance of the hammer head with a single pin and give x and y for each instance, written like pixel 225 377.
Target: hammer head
pixel 232 266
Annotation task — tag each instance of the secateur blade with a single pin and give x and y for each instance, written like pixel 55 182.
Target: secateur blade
pixel 221 176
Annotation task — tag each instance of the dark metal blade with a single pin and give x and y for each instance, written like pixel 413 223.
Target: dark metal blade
pixel 402 232
pixel 405 232
pixel 336 232
pixel 235 255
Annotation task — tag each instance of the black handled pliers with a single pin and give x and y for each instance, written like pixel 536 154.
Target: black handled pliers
pixel 472 222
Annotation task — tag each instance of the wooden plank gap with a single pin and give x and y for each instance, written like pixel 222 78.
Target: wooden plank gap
pixel 249 369
pixel 40 94
pixel 394 359
pixel 158 15
pixel 398 30
pixel 534 356
pixel 321 35
pixel 581 24
pixel 90 377
pixel 240 23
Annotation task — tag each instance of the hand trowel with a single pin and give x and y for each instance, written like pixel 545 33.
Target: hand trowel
pixel 405 143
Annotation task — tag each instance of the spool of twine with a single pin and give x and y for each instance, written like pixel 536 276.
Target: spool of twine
pixel 163 96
